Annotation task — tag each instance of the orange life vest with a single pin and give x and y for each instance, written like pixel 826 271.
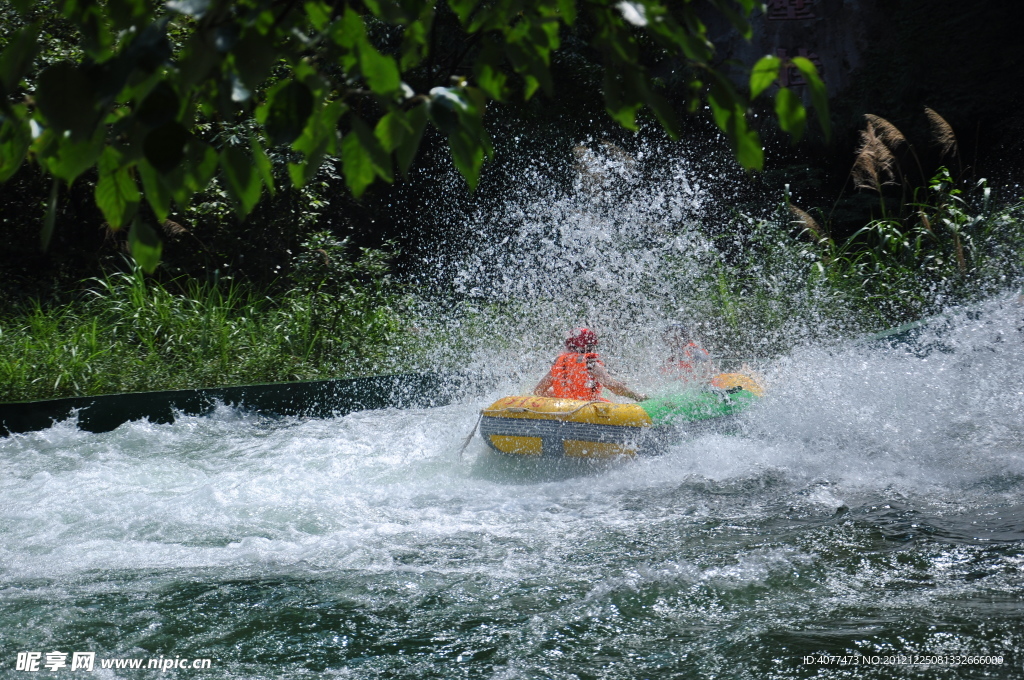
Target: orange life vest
pixel 571 378
pixel 694 364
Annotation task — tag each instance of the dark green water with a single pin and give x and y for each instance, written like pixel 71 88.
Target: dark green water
pixel 870 509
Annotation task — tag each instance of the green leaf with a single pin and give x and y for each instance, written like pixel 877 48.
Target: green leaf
pixel 764 73
pixel 193 174
pixel 393 11
pixel 625 115
pixel 164 147
pixel 729 111
pixel 749 151
pixel 544 34
pixel 198 57
pixel 530 86
pixel 444 105
pixel 380 70
pixel 96 37
pixel 157 194
pixel 620 107
pixel 356 164
pixel 567 10
pixel 288 108
pixel 415 44
pixel 116 192
pixel 126 13
pixel 263 165
pixel 489 76
pixel 665 113
pixel 496 16
pixel 819 95
pixel 150 49
pixel 378 156
pixel 463 8
pixel 160 105
pixel 319 14
pixel 253 57
pixel 243 180
pixel 468 154
pixel 307 74
pixel 392 129
pixel 791 112
pixel 724 101
pixel 60 84
pixel 14 143
pixel 200 165
pixel 472 118
pixel 318 139
pixel 17 58
pixel 349 32
pixel 406 152
pixel 492 81
pixel 530 61
pixel 145 245
pixel 74 157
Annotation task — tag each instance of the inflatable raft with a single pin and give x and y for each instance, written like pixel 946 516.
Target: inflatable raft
pixel 545 427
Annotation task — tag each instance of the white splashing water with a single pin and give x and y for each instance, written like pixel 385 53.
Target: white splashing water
pixel 383 497
pixel 234 489
pixel 633 242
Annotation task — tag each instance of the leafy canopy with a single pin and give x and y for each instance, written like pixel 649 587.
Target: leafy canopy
pixel 358 80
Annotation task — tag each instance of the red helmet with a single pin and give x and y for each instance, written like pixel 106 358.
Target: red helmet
pixel 580 339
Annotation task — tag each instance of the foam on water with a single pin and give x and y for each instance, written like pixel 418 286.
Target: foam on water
pixel 838 425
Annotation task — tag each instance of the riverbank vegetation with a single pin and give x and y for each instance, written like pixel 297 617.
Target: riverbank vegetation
pixel 959 245
pixel 938 237
pixel 128 332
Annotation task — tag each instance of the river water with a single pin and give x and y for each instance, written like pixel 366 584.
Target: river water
pixel 871 507
pixel 865 519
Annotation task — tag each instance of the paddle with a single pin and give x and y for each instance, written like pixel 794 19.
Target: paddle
pixel 470 437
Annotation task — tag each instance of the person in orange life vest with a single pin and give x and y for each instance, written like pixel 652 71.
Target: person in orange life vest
pixel 579 373
pixel 688 361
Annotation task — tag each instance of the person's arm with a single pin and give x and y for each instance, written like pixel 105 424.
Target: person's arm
pixel 543 388
pixel 618 387
pixel 614 386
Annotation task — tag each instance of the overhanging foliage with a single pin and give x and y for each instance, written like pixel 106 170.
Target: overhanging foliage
pixel 358 80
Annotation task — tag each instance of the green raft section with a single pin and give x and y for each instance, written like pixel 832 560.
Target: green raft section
pixel 696 404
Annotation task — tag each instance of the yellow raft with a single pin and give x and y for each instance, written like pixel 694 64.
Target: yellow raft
pixel 532 426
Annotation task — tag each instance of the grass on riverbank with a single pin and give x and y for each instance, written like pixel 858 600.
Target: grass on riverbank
pixel 128 333
pixel 954 245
